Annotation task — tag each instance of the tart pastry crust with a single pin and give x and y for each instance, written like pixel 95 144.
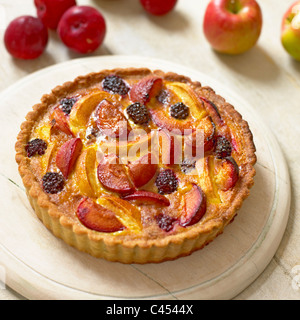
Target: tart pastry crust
pixel 161 230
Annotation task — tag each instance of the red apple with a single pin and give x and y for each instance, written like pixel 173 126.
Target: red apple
pixel 232 26
pixel 112 175
pixel 290 30
pixel 195 206
pixel 97 218
pixel 148 197
pixel 142 170
pixel 67 155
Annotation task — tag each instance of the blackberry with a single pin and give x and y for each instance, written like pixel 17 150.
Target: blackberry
pixel 36 146
pixel 187 165
pixel 53 182
pixel 138 113
pixel 166 182
pixel 115 84
pixel 179 111
pixel 67 104
pixel 165 222
pixel 223 148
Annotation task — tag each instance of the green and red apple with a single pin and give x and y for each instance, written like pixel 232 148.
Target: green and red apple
pixel 232 26
pixel 290 30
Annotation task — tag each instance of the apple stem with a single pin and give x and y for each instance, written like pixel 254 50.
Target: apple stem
pixel 234 6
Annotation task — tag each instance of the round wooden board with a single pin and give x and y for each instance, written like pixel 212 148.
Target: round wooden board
pixel 40 266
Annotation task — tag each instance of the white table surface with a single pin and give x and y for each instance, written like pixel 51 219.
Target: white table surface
pixel 266 76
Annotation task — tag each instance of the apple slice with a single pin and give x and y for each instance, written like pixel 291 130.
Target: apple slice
pixel 112 175
pixel 85 173
pixel 97 218
pixel 142 170
pixel 194 206
pixel 148 197
pixel 60 122
pixel 146 89
pixel 226 173
pixel 111 121
pixel 67 155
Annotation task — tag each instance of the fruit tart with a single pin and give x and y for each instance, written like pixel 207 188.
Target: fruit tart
pixel 134 165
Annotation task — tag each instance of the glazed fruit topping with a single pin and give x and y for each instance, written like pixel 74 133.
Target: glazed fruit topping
pixel 146 89
pixel 179 111
pixel 142 170
pixel 165 222
pixel 96 217
pixel 166 182
pixel 53 182
pixel 112 175
pixel 194 207
pixel 223 148
pixel 148 197
pixel 67 104
pixel 211 106
pixel 111 121
pixel 67 155
pixel 226 173
pixel 115 84
pixel 36 147
pixel 59 121
pixel 138 113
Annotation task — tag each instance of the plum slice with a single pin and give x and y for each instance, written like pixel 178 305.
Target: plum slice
pixel 213 110
pixel 148 197
pixel 142 170
pixel 226 173
pixel 59 122
pixel 194 206
pixel 112 175
pixel 97 218
pixel 67 155
pixel 146 89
